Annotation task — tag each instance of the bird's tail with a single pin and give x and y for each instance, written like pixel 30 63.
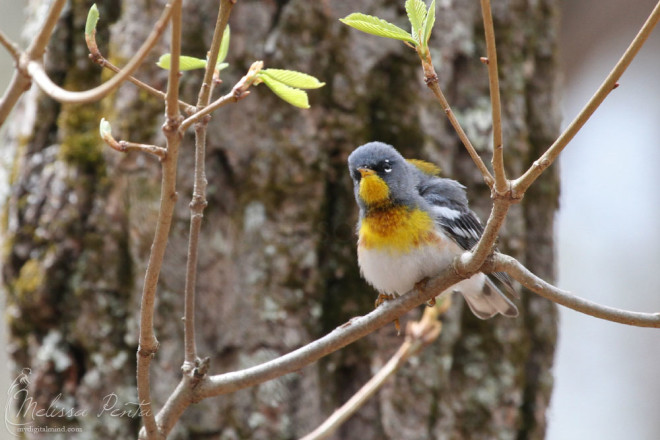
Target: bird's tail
pixel 489 301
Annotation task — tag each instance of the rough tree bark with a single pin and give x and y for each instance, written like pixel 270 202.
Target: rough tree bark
pixel 277 265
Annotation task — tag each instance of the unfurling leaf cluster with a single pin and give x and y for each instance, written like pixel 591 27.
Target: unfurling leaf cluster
pixel 421 24
pixel 289 85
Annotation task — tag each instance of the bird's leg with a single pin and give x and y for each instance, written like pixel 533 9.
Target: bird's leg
pixel 382 297
pixel 421 285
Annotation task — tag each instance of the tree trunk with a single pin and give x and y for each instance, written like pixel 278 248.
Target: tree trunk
pixel 278 260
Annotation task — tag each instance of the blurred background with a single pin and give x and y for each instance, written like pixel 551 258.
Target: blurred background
pixel 606 381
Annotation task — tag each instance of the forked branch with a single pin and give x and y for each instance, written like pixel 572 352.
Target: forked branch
pixel 521 184
pixel 36 70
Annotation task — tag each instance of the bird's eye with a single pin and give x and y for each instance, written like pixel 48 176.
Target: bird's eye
pixel 387 167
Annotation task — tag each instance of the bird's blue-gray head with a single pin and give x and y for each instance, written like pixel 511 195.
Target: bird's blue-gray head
pixel 380 175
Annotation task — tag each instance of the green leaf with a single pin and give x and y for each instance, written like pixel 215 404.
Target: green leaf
pixel 105 129
pixel 295 97
pixel 292 78
pixel 375 26
pixel 224 45
pixel 428 23
pixel 416 10
pixel 185 62
pixel 92 19
pixel 221 66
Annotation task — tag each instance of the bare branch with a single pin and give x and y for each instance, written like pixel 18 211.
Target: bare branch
pixel 125 146
pixel 103 62
pixel 148 344
pixel 521 184
pixel 419 334
pixel 199 203
pixel 18 85
pixel 505 263
pixel 36 70
pixel 11 47
pixel 349 332
pixel 431 79
pixel 501 185
pixel 469 263
pixel 20 81
pixel 37 48
pixel 197 206
pixel 239 92
pixel 172 97
pixel 221 23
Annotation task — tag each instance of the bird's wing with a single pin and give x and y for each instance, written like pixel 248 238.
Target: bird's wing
pixel 448 204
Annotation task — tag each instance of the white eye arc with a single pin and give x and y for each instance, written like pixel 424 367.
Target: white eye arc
pixel 387 167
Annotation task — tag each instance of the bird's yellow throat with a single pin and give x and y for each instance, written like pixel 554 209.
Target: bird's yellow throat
pixel 373 189
pixel 387 226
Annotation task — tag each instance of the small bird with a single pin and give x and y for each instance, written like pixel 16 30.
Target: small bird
pixel 412 224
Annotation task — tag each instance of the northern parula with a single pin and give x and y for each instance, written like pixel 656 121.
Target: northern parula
pixel 413 223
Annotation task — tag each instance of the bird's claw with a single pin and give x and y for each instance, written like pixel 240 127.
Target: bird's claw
pixel 382 297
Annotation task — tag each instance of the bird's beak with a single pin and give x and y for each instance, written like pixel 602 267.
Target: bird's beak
pixel 364 172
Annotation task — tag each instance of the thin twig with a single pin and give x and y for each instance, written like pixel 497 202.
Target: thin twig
pixel 11 47
pixel 103 62
pixel 521 184
pixel 21 81
pixel 198 202
pixel 342 414
pixel 148 344
pixel 125 146
pixel 18 85
pixel 418 335
pixel 220 102
pixel 37 48
pixel 204 96
pixel 431 79
pixel 36 70
pixel 172 97
pixel 501 185
pixel 238 92
pixel 508 264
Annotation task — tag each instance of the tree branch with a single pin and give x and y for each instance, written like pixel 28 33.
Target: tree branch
pixel 36 70
pixel 349 332
pixel 521 184
pixel 501 184
pixel 431 79
pixel 21 81
pixel 148 344
pixel 508 264
pixel 98 58
pixel 238 92
pixel 419 335
pixel 469 263
pixel 11 47
pixel 198 202
pixel 125 146
pixel 221 23
pixel 37 48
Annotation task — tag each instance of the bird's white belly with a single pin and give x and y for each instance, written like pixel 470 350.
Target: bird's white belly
pixel 394 272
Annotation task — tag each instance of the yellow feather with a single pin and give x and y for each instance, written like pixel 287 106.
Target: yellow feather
pixel 426 167
pixel 396 229
pixel 373 189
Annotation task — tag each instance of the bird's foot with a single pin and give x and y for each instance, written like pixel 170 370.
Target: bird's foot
pixel 421 285
pixel 382 297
